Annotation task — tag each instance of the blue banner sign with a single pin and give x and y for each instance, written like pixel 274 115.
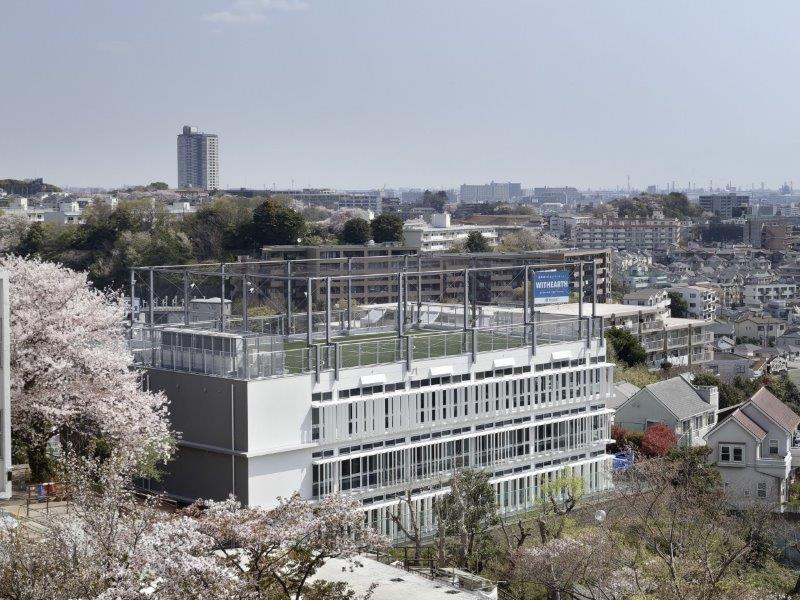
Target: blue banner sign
pixel 550 287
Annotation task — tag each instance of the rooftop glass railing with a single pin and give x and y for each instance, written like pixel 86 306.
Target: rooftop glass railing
pixel 258 355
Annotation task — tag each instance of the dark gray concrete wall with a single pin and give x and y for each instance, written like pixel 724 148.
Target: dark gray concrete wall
pixel 205 410
pixel 210 413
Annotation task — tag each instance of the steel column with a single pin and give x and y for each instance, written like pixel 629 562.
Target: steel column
pixel 245 320
pixel 222 298
pixel 400 304
pixel 186 298
pixel 133 293
pixel 152 300
pixel 288 289
pixel 327 310
pixel 349 293
pixel 309 314
pixel 466 298
pixel 580 290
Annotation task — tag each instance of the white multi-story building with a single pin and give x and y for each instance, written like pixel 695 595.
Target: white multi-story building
pixel 701 302
pixel 198 159
pixel 725 205
pixel 757 295
pixel 489 192
pixel 441 236
pixel 680 342
pixel 651 235
pixel 265 415
pixel 657 297
pixel 561 225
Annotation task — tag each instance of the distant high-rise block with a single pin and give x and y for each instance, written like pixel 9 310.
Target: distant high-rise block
pixel 198 159
pixel 490 192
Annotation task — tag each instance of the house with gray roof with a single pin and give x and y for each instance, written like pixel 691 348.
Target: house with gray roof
pixel 622 391
pixel 689 410
pixel 755 449
pixel 728 366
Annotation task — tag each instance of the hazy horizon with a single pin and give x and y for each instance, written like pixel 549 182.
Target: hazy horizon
pixel 364 94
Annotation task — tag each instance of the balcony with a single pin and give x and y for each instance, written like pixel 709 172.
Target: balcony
pixel 677 342
pixel 795 453
pixel 778 466
pixel 653 345
pixel 700 357
pixel 703 338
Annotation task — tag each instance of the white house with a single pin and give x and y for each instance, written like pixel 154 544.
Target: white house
pixel 754 449
pixel 689 410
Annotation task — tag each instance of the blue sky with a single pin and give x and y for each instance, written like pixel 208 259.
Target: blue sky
pixel 367 93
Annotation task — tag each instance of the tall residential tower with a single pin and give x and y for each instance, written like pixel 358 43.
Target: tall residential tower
pixel 198 159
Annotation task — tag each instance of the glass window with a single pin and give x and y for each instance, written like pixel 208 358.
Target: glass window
pixel 773 447
pixel 762 489
pixel 738 454
pixel 724 453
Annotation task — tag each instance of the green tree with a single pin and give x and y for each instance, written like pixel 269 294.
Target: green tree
pixel 356 231
pixel 784 389
pixel 476 243
pixel 633 208
pixel 387 228
pixel 676 205
pixel 730 394
pixel 276 224
pixel 467 513
pixel 626 347
pixel 434 200
pixel 678 307
pixel 33 240
pixel 157 186
pixel 219 229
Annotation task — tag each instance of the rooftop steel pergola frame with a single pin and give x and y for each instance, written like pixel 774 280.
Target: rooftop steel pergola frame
pixel 403 276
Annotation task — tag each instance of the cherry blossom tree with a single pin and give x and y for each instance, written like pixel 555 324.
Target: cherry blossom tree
pixel 337 220
pixel 12 228
pixel 669 534
pixel 71 374
pixel 113 546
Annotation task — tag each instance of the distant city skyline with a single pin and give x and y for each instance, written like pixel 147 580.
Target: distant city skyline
pixel 357 94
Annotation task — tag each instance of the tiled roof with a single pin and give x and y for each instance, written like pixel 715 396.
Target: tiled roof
pixel 680 397
pixel 748 424
pixel 775 409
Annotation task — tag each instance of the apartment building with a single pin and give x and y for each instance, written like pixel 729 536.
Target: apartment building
pixel 439 278
pixel 656 297
pixel 198 159
pixel 701 302
pixel 627 235
pixel 443 236
pixel 680 342
pixel 490 192
pixel 758 295
pixel 725 205
pixel 561 225
pixel 563 195
pixel 396 405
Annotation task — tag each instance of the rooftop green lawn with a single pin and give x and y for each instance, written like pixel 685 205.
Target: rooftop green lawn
pixel 386 347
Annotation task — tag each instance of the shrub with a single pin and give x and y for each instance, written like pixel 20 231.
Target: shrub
pixel 658 440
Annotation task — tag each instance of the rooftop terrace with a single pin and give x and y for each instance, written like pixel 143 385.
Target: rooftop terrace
pixel 226 320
